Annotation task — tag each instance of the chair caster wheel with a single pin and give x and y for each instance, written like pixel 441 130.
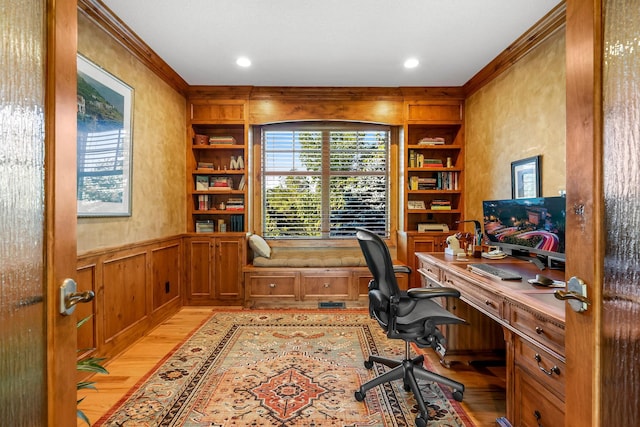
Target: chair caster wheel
pixel 359 396
pixel 421 422
pixel 457 395
pixel 407 387
pixel 368 364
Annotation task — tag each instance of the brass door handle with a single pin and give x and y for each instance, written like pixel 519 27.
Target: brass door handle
pixel 69 297
pixel 575 295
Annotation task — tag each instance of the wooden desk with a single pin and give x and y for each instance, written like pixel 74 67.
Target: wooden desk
pixel 532 322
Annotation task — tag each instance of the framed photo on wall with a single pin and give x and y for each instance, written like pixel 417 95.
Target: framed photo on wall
pixel 104 142
pixel 525 178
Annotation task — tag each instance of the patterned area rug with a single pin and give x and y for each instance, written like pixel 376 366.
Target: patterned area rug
pixel 279 368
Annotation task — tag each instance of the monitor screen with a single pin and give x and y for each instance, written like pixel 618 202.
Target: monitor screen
pixel 527 225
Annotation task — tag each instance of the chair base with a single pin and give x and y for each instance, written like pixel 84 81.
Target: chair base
pixel 409 370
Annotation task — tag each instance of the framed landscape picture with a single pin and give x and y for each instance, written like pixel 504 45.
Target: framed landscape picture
pixel 104 142
pixel 525 178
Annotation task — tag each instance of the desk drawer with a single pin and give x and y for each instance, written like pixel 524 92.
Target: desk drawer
pixel 270 285
pixel 539 328
pixel 534 360
pixel 533 405
pixel 428 270
pixel 326 285
pixel 484 301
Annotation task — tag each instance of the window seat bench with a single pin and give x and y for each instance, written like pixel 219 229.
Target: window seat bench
pixel 299 276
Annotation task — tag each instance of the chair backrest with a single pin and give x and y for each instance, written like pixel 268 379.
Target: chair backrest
pixel 376 254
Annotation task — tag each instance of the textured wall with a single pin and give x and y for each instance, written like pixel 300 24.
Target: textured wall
pixel 520 114
pixel 158 175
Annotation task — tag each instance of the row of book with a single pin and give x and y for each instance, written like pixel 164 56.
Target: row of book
pixel 417 160
pixel 438 181
pixel 236 224
pixel 216 183
pixel 207 202
pixel 440 205
pixel 235 204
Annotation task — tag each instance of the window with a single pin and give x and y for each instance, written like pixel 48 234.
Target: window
pixel 320 180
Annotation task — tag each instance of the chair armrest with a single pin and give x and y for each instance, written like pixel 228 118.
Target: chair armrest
pixel 402 269
pixel 423 293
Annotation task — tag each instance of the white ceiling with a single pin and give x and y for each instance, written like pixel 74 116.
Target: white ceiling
pixel 329 42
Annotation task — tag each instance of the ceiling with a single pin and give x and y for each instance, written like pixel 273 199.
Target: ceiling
pixel 329 42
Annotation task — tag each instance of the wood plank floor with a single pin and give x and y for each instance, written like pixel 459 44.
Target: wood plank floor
pixel 484 397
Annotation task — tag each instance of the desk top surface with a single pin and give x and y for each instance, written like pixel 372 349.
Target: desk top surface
pixel 518 291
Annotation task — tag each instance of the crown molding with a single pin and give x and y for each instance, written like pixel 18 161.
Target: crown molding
pixel 105 19
pixel 545 27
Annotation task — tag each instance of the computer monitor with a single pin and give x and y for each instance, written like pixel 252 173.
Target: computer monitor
pixel 527 226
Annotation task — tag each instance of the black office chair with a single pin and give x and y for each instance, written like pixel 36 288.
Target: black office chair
pixel 407 315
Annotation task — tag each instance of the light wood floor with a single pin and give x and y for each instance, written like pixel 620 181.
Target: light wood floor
pixel 484 397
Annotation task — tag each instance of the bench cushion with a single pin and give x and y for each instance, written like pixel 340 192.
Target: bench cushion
pixel 311 257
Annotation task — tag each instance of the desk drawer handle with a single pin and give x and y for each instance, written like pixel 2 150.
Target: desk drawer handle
pixel 327 285
pixel 489 303
pixel 539 330
pixel 272 285
pixel 553 370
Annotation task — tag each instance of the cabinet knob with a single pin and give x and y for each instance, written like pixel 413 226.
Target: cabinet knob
pixel 272 285
pixel 539 330
pixel 327 285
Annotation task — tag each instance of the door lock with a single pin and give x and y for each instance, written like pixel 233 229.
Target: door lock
pixel 576 295
pixel 70 297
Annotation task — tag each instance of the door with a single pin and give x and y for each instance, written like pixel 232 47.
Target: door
pixel 60 206
pixel 603 212
pixel 584 208
pixel 38 246
pixel 227 266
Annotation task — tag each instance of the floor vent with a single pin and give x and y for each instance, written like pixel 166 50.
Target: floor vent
pixel 331 304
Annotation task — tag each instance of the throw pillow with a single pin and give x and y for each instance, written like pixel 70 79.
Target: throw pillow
pixel 260 246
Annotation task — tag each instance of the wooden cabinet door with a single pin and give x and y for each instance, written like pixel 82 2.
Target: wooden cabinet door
pixel 200 275
pixel 227 267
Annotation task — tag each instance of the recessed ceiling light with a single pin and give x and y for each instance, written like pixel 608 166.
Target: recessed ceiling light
pixel 411 63
pixel 243 61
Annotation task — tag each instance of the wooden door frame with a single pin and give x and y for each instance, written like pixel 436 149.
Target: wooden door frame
pixel 585 218
pixel 60 206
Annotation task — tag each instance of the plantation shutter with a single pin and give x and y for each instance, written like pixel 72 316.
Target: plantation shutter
pixel 323 180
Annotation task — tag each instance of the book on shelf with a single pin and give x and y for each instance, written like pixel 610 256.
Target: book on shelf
pixel 219 183
pixel 429 140
pixel 203 202
pixel 242 183
pixel 432 163
pixel 202 182
pixel 236 222
pixel 204 226
pixel 221 140
pixel 440 205
pixel 205 165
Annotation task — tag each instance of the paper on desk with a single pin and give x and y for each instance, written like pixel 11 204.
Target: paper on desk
pixel 555 284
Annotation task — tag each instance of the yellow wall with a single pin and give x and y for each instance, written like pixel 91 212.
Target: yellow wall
pixel 158 175
pixel 520 114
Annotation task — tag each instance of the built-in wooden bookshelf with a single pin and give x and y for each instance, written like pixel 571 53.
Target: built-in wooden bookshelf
pixel 217 188
pixel 433 184
pixel 217 169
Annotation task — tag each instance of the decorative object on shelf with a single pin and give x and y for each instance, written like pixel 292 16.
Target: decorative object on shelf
pixel 525 178
pixel 200 139
pixel 415 204
pixel 105 108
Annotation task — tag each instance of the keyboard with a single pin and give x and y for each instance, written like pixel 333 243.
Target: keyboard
pixel 494 272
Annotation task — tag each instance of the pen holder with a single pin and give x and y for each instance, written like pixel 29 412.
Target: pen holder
pixel 477 251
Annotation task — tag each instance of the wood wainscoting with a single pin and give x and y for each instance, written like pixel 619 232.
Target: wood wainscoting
pixel 136 286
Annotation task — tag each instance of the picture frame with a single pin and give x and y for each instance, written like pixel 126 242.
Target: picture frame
pixel 525 178
pixel 104 142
